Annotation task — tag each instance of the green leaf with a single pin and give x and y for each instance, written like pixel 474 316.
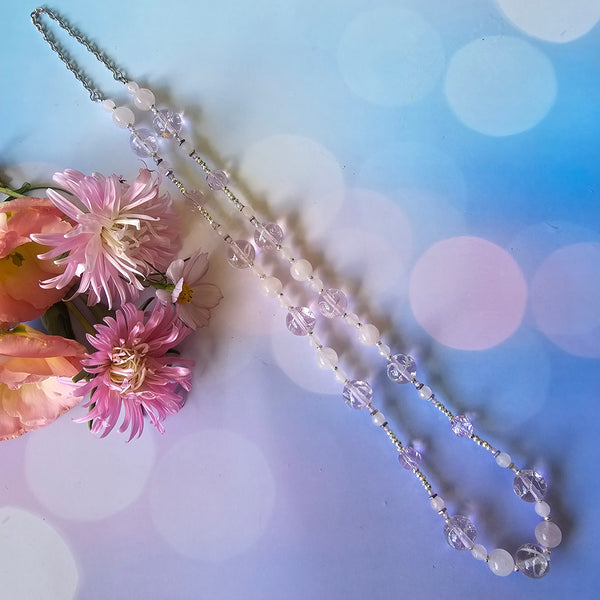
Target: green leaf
pixel 56 320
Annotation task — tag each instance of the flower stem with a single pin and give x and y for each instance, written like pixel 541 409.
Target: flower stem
pixel 9 192
pixel 79 316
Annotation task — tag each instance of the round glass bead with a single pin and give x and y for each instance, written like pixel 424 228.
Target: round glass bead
pixel 401 368
pixel 409 458
pixel 461 426
pixel 332 303
pixel 301 269
pixel 383 349
pixel 143 99
pixel 548 534
pixel 368 334
pixel 437 503
pixel 167 122
pixel 460 533
pixel 316 284
pixel 240 254
pixel 357 394
pixel 479 552
pixel 271 286
pixel 327 358
pixel 503 460
pixel 217 180
pixel 532 561
pixel 300 320
pixel 132 87
pixel 500 562
pixel 542 509
pixel 378 418
pixel 144 143
pixel 268 236
pixel 108 105
pixel 123 117
pixel 425 393
pixel 530 486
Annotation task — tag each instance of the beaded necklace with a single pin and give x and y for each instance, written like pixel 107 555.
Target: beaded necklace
pixel 531 559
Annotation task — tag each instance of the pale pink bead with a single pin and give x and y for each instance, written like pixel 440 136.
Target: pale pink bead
pixel 368 334
pixel 301 269
pixel 123 117
pixel 327 358
pixel 271 286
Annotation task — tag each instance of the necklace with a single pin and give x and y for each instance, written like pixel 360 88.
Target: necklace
pixel 531 559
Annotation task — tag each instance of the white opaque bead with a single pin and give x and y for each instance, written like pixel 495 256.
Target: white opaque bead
pixel 351 319
pixel 501 562
pixel 340 375
pixel 316 284
pixel 108 105
pixel 247 212
pixel 286 252
pixel 425 392
pixel 143 99
pixel 313 341
pixel 132 87
pixel 272 286
pixel 383 349
pixel 378 419
pixel 548 534
pixel 503 460
pixel 301 269
pixel 284 301
pixel 542 508
pixel 186 147
pixel 123 117
pixel 327 358
pixel 479 552
pixel 437 503
pixel 368 334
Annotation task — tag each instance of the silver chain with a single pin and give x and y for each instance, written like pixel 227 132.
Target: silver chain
pixel 95 94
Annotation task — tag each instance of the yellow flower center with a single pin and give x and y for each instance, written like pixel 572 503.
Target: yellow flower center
pixel 128 368
pixel 186 294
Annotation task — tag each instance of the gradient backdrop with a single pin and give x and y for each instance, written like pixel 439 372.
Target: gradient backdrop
pixel 437 160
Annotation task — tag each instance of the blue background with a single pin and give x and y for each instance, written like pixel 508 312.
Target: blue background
pixel 373 132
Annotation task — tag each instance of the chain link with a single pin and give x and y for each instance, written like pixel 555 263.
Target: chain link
pixel 95 94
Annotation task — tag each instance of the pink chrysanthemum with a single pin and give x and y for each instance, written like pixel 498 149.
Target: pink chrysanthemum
pixel 121 230
pixel 131 371
pixel 193 298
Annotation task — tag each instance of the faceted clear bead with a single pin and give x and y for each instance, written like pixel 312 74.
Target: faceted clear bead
pixel 217 180
pixel 300 320
pixel 167 122
pixel 409 458
pixel 461 426
pixel 332 303
pixel 548 534
pixel 530 486
pixel 501 562
pixel 460 533
pixel 240 254
pixel 401 368
pixel 123 117
pixel 357 394
pixel 143 99
pixel 532 561
pixel 144 143
pixel 268 236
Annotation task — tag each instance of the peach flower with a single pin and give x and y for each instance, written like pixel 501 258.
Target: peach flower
pixel 21 297
pixel 35 379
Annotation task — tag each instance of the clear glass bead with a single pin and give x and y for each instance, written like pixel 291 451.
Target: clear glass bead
pixel 268 236
pixel 460 533
pixel 357 393
pixel 300 320
pixel 123 117
pixel 144 144
pixel 240 254
pixel 530 486
pixel 401 368
pixel 143 99
pixel 196 197
pixel 216 180
pixel 332 303
pixel 409 458
pixel 532 561
pixel 461 426
pixel 501 562
pixel 548 534
pixel 167 123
